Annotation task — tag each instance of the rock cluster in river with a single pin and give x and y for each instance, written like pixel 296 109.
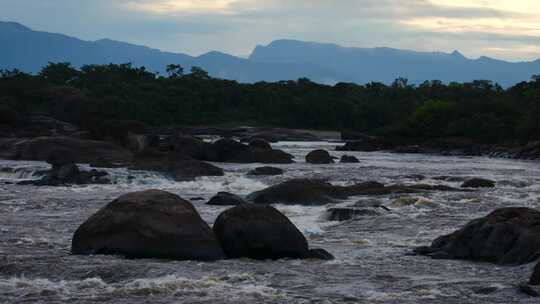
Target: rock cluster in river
pixel 159 224
pixel 319 192
pixel 505 236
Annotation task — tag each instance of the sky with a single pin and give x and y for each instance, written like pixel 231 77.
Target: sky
pixel 505 29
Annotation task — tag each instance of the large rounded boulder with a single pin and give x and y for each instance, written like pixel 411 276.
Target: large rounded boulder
pixel 148 224
pixel 259 232
pixel 319 157
pixel 505 236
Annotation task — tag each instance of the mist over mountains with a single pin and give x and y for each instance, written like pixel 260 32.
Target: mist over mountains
pixel 29 50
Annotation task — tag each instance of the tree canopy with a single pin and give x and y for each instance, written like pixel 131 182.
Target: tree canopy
pixel 479 110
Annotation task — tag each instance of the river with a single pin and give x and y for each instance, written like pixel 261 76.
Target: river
pixel 372 264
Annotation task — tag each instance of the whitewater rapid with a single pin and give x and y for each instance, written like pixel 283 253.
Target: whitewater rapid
pixel 372 264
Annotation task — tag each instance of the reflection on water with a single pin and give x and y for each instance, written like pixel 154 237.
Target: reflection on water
pixel 372 265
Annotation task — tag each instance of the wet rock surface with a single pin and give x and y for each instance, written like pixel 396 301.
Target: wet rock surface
pixel 259 232
pixel 148 224
pixel 319 157
pixel 505 236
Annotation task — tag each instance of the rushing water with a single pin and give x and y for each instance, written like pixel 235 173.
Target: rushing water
pixel 372 264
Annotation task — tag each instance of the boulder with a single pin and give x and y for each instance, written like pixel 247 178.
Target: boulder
pixel 530 290
pixel 265 171
pixel 478 183
pixel 226 199
pixel 260 143
pixel 535 278
pixel 82 151
pixel 8 116
pixel 180 167
pixel 259 232
pixel 224 150
pixel 256 155
pixel 349 159
pixel 189 145
pixel 69 174
pixel 229 150
pixel 319 254
pixel 296 192
pixel 148 224
pixel 505 236
pixel 319 157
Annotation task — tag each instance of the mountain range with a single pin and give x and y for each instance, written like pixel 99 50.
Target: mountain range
pixel 29 50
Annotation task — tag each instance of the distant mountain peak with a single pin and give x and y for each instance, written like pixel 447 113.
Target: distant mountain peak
pixel 458 54
pixel 283 59
pixel 4 25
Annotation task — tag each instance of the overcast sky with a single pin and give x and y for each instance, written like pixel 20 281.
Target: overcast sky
pixel 506 29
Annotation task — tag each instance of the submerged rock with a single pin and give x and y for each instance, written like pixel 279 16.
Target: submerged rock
pixel 478 183
pixel 259 232
pixel 226 199
pixel 403 202
pixel 505 236
pixel 319 157
pixel 349 159
pixel 345 214
pixel 148 224
pixel 260 171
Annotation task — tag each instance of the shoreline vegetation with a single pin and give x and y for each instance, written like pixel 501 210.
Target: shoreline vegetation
pixel 476 118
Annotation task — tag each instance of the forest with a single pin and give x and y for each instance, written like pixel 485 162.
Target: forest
pixel 480 110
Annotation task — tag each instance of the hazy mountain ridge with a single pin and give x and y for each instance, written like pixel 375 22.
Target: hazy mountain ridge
pixel 30 50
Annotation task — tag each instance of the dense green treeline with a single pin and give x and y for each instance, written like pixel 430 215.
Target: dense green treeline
pixel 479 110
